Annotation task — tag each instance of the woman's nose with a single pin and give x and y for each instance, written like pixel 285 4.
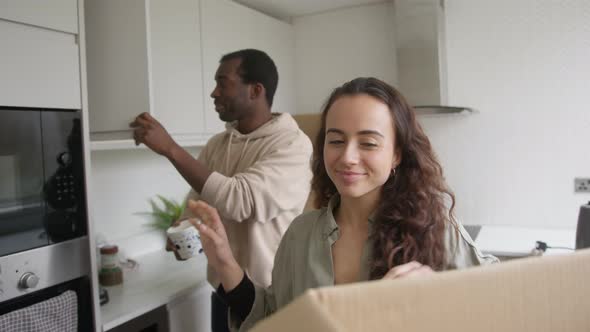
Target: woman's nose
pixel 350 154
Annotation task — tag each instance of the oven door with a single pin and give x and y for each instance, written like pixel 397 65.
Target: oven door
pixel 47 287
pixel 64 307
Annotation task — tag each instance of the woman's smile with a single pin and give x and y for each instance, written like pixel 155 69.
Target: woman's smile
pixel 350 177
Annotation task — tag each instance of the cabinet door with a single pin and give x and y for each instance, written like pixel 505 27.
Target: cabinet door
pixel 191 312
pixel 40 68
pixel 61 15
pixel 227 27
pixel 117 64
pixel 177 86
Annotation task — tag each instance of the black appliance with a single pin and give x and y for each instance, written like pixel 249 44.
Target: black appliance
pixel 42 192
pixel 583 229
pixel 44 248
pixel 30 277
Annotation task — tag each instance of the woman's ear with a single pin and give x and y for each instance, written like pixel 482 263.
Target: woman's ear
pixel 397 159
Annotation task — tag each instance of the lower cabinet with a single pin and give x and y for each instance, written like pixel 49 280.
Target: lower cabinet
pixel 153 321
pixel 188 313
pixel 191 312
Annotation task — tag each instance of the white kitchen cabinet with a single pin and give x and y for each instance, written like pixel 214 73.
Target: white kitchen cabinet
pixel 228 26
pixel 144 56
pixel 39 67
pixel 191 312
pixel 60 15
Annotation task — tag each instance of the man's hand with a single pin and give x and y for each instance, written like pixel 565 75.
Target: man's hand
pixel 147 130
pixel 411 269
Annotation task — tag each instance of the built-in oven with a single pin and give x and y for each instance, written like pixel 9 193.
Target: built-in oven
pixel 44 250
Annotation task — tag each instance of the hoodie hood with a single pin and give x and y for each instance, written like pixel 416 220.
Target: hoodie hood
pixel 280 122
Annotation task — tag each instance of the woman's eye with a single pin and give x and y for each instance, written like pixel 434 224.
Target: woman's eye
pixel 335 142
pixel 369 145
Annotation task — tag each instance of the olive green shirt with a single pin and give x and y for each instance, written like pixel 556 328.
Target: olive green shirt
pixel 304 260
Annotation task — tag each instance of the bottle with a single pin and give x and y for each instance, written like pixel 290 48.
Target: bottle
pixel 110 272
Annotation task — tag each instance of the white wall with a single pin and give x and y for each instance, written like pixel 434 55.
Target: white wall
pixel 524 64
pixel 122 183
pixel 337 46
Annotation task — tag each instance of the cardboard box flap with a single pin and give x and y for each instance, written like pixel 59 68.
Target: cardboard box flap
pixel 535 294
pixel 306 313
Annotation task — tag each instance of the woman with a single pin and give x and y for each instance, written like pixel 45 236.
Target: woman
pixel 384 210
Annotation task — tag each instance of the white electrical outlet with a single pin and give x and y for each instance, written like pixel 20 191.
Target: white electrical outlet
pixel 582 185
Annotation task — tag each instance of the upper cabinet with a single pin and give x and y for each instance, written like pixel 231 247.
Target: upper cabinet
pixel 39 61
pixel 161 56
pixel 176 65
pixel 59 15
pixel 227 27
pixel 144 56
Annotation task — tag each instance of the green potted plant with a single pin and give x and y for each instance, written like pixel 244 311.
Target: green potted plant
pixel 165 212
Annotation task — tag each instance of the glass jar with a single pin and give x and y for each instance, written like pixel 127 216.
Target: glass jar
pixel 110 272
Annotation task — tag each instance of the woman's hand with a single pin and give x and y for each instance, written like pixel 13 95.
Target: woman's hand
pixel 215 244
pixel 411 269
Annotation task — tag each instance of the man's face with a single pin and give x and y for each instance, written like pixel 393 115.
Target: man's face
pixel 231 95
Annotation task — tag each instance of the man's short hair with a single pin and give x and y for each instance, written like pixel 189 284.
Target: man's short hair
pixel 256 67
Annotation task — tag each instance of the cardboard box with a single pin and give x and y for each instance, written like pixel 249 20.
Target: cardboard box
pixel 310 124
pixel 538 294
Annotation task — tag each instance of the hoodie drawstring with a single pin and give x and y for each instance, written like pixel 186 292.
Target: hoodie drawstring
pixel 244 149
pixel 227 155
pixel 278 122
pixel 231 135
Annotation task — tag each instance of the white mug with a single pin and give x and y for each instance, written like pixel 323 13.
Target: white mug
pixel 186 239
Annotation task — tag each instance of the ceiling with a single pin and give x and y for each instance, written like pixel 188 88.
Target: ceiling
pixel 286 9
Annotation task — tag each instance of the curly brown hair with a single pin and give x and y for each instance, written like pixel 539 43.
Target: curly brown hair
pixel 412 214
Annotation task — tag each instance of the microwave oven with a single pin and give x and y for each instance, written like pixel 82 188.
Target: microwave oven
pixel 42 189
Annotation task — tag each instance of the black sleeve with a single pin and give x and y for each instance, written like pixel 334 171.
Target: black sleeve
pixel 240 299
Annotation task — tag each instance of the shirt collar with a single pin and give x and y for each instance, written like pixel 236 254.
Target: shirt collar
pixel 330 226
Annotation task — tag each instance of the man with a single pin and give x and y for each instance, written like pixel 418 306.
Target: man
pixel 256 173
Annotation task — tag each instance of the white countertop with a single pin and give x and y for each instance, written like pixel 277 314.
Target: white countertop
pixel 157 280
pixel 511 241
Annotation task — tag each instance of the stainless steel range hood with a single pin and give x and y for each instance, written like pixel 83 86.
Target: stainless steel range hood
pixel 421 56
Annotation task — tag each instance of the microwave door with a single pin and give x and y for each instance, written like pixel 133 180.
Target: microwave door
pixel 22 206
pixel 63 190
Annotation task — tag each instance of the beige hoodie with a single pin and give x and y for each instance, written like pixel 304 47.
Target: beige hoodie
pixel 260 183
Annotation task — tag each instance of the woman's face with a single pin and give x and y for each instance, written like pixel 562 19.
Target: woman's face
pixel 360 143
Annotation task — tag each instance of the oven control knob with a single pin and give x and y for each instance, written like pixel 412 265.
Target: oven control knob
pixel 28 280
